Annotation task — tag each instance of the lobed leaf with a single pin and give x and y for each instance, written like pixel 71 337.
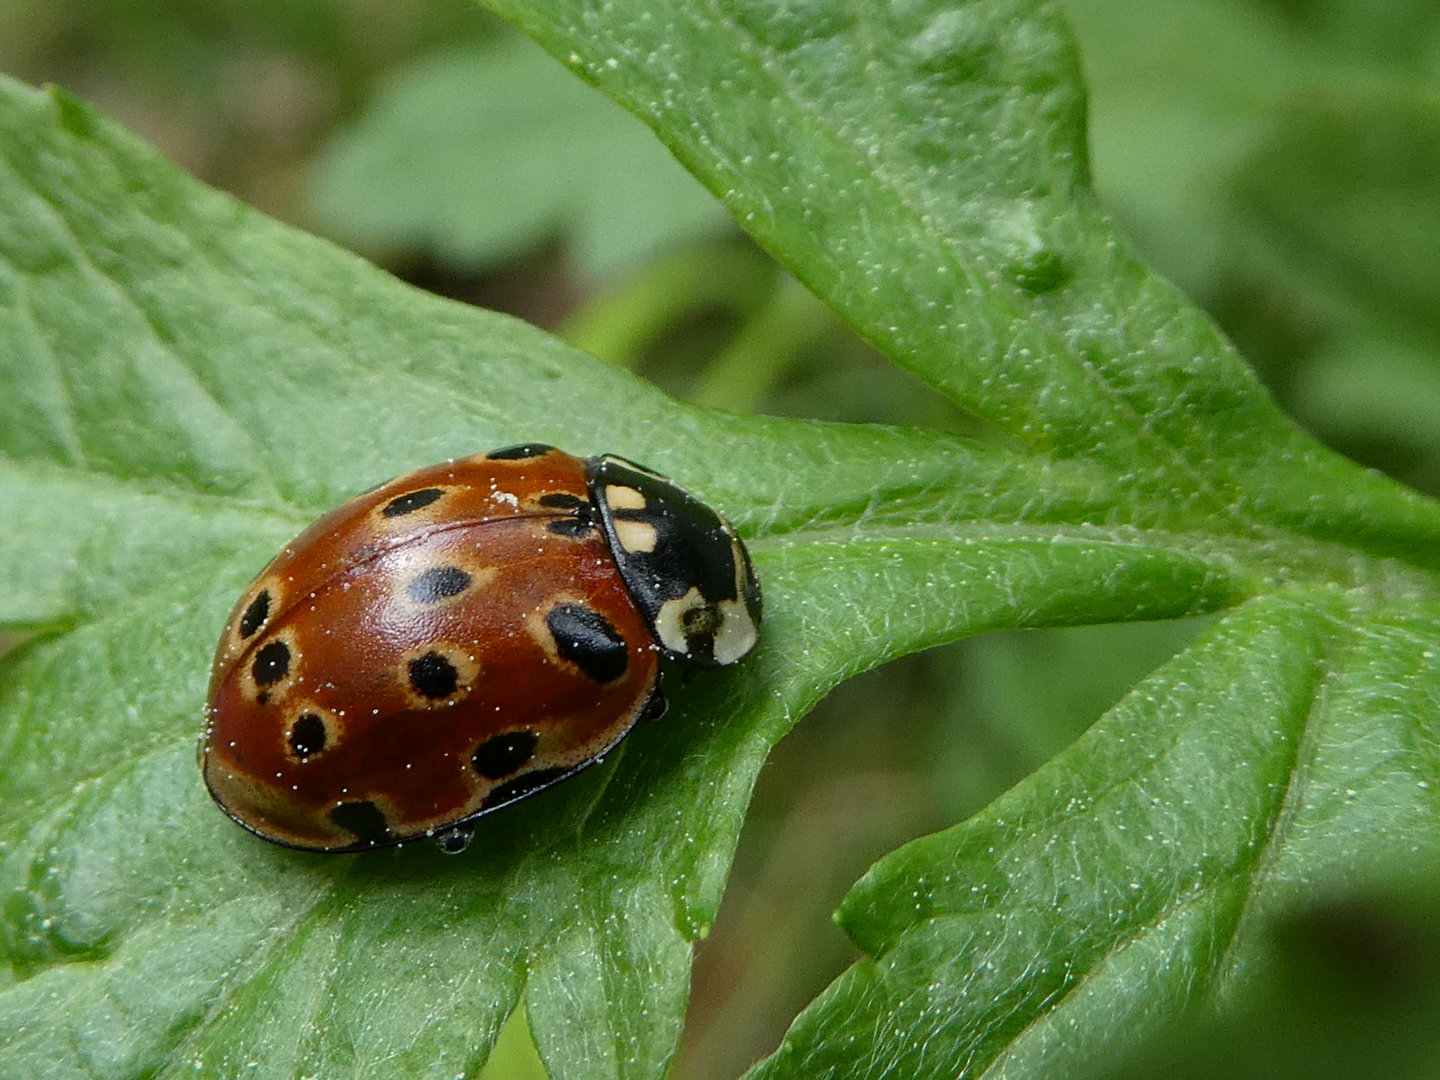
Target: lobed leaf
pixel 185 384
pixel 1286 756
pixel 922 168
pixel 206 380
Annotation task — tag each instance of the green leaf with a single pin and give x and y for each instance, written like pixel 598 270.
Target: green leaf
pixel 1276 164
pixel 1178 97
pixel 457 157
pixel 189 384
pixel 1257 771
pixel 184 385
pixel 847 140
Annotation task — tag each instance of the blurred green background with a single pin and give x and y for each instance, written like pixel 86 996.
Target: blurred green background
pixel 1279 159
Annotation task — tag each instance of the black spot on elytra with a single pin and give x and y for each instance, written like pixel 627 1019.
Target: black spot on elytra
pixel 433 676
pixel 570 526
pixel 436 583
pixel 255 615
pixel 411 501
pixel 585 638
pixel 580 518
pixel 519 452
pixel 272 663
pixel 363 818
pixel 522 786
pixel 307 735
pixel 500 756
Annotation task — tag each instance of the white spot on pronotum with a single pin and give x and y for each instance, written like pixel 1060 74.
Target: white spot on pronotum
pixel 731 629
pixel 624 497
pixel 670 620
pixel 736 634
pixel 738 630
pixel 636 535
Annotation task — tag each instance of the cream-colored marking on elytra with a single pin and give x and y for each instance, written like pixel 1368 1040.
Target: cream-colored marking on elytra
pixel 636 535
pixel 670 620
pixel 624 497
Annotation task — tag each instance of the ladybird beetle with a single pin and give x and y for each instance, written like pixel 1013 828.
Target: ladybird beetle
pixel 462 637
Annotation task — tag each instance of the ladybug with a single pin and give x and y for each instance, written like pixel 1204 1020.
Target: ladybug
pixel 459 638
